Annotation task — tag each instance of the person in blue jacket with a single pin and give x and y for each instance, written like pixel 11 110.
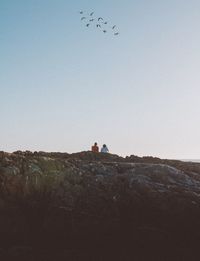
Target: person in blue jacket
pixel 104 149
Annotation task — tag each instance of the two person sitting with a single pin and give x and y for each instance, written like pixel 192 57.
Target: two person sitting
pixel 95 148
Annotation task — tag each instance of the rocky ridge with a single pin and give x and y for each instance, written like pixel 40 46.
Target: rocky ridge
pixel 83 200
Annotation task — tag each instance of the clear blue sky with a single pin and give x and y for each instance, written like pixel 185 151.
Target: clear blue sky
pixel 64 86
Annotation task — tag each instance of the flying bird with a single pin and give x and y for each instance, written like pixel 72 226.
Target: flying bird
pixel 99 22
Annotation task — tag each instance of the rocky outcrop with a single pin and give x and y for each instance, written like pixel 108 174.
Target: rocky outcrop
pixel 78 202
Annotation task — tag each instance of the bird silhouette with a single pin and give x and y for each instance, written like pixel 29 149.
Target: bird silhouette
pixel 89 18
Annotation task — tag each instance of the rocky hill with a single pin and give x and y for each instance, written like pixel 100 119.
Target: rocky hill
pixel 93 206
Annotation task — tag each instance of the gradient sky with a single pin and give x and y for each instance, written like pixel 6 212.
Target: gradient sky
pixel 64 86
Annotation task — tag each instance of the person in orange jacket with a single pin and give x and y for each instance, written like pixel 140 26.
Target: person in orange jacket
pixel 95 148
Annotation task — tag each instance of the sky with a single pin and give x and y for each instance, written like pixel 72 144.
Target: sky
pixel 64 86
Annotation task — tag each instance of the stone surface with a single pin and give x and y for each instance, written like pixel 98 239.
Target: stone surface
pixel 83 200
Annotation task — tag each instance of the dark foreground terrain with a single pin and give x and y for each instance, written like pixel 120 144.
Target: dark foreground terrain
pixel 87 206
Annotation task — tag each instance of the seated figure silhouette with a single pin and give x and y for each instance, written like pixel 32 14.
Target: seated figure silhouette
pixel 104 149
pixel 95 147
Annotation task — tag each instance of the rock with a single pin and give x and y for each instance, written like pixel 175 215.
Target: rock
pixel 20 253
pixel 1 253
pixel 86 198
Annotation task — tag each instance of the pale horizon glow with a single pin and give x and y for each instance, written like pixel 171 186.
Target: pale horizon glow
pixel 64 86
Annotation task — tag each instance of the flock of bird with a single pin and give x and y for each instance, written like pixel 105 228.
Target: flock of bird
pixel 98 22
